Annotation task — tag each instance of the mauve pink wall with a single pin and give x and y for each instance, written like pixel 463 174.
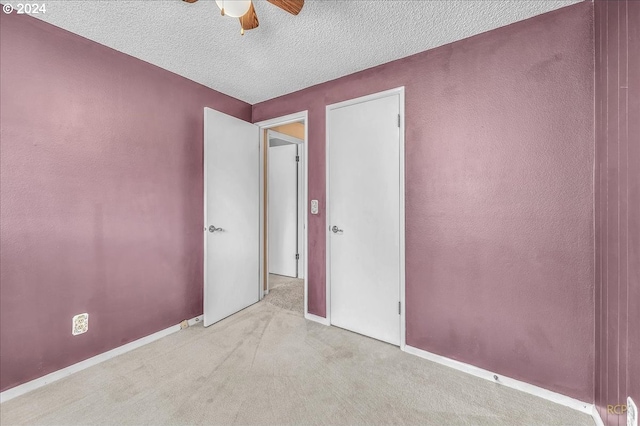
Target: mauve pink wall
pixel 499 197
pixel 617 205
pixel 101 186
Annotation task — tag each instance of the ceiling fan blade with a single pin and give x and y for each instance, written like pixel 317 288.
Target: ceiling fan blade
pixel 190 1
pixel 249 20
pixel 292 6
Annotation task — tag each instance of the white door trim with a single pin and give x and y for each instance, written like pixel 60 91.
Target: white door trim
pixel 397 91
pixel 264 125
pixel 286 138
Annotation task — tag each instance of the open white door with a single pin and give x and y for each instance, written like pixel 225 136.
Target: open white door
pixel 283 209
pixel 232 215
pixel 301 212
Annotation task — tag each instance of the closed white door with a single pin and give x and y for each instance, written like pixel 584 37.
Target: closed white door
pixel 364 217
pixel 232 215
pixel 282 200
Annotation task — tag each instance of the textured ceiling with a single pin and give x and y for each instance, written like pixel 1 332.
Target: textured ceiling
pixel 327 40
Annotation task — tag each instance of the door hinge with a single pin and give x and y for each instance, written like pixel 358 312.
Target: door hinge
pixel 297 158
pixel 399 308
pixel 398 120
pixel 297 256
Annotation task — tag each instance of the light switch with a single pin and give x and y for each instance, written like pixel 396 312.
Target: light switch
pixel 314 206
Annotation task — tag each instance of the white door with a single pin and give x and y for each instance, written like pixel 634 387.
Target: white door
pixel 232 215
pixel 364 217
pixel 282 200
pixel 301 205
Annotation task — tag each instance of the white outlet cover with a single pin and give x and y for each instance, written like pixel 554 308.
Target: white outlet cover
pixel 80 324
pixel 632 412
pixel 314 206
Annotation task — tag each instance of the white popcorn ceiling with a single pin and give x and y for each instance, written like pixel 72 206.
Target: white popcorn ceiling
pixel 327 40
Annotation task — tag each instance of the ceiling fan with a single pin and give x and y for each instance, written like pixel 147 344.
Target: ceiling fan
pixel 243 9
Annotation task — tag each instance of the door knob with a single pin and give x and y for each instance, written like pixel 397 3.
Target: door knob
pixel 335 229
pixel 214 229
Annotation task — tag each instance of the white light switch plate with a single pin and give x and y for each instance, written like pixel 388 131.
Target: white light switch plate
pixel 632 412
pixel 314 206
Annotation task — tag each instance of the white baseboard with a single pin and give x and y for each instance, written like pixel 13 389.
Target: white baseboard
pixel 67 371
pixel 596 416
pixel 558 398
pixel 316 318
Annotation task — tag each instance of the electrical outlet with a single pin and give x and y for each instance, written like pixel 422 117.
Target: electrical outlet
pixel 632 412
pixel 80 324
pixel 314 206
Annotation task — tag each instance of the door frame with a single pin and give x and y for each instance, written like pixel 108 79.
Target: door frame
pixel 302 116
pixel 392 92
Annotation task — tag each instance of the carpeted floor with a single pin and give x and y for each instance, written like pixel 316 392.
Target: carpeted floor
pixel 286 293
pixel 268 365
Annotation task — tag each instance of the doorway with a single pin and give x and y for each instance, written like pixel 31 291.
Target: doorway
pixel 365 216
pixel 284 212
pixel 284 187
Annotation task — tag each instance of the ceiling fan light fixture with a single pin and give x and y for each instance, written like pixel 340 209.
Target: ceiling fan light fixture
pixel 234 8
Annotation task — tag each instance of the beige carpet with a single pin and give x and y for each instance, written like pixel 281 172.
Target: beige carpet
pixel 268 365
pixel 286 293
